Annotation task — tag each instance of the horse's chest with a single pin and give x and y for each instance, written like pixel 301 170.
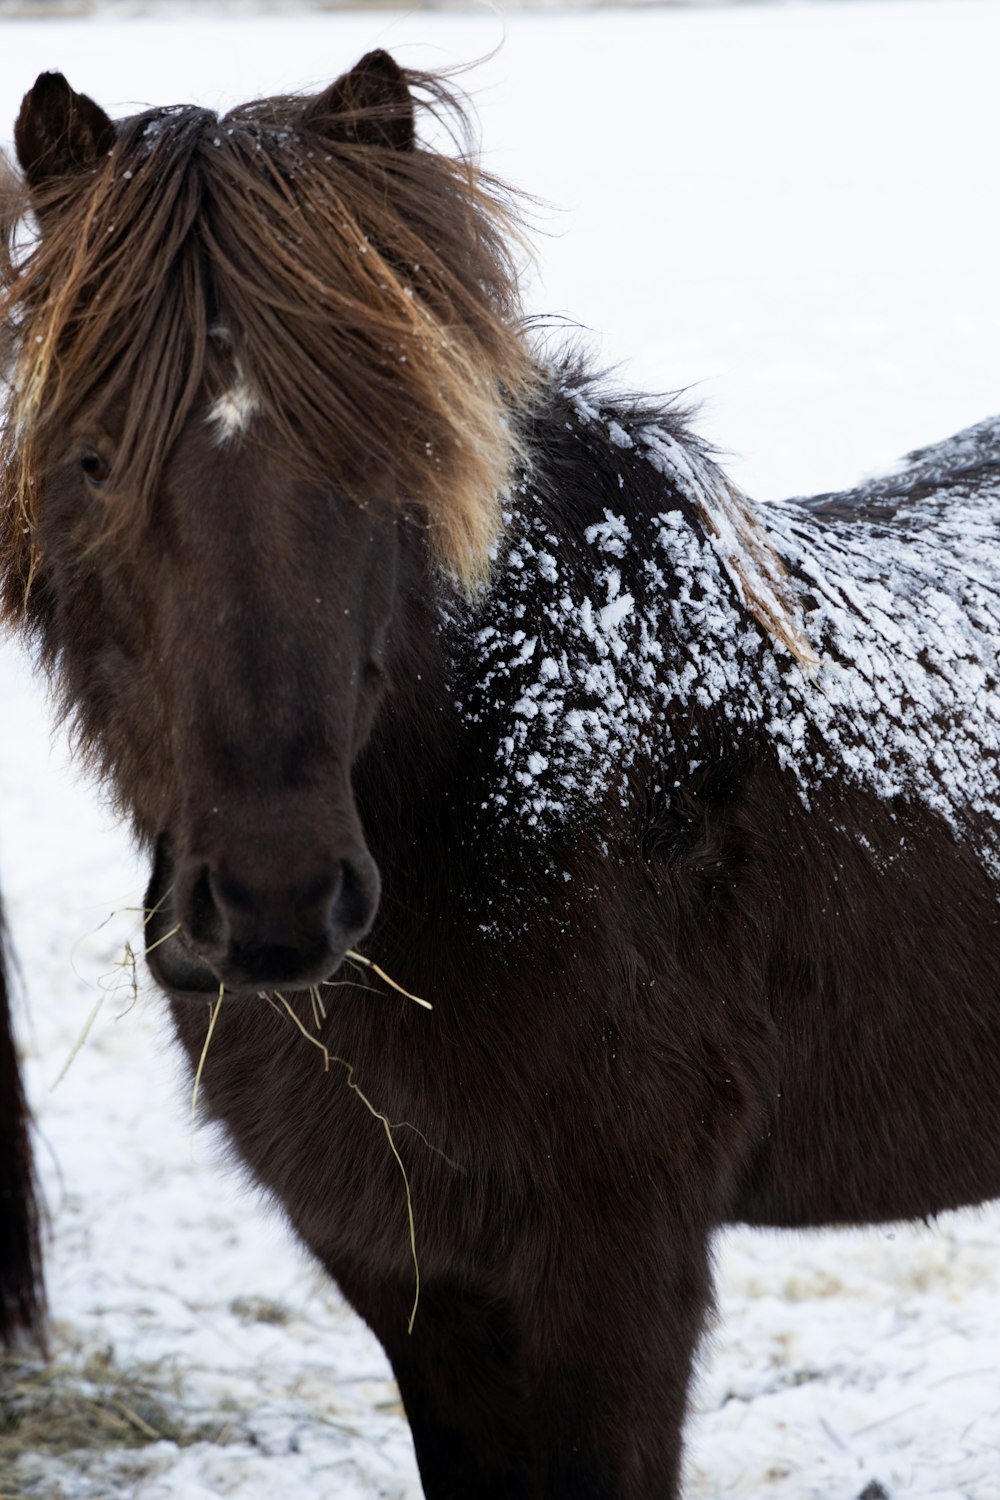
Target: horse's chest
pixel 332 1132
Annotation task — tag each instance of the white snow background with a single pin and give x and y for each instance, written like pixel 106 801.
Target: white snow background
pixel 796 210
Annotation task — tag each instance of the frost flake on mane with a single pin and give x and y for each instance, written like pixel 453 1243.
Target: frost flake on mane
pixel 231 413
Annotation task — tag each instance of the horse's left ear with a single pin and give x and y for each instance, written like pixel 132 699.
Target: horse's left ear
pixel 370 105
pixel 59 132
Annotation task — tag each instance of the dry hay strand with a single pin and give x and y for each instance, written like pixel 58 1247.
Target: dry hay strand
pixel 329 1057
pixel 213 1016
pixel 126 965
pixel 165 938
pixel 369 963
pixel 79 1043
pixel 59 1406
pixel 318 1008
pixel 387 1125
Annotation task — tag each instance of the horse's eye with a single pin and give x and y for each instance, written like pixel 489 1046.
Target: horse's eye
pixel 96 470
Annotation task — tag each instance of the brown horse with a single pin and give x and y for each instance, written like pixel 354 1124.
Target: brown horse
pixel 22 1297
pixel 402 646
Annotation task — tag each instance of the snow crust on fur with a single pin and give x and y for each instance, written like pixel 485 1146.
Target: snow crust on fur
pixel 633 644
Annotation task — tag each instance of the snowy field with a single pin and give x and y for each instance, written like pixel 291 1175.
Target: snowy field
pixel 796 212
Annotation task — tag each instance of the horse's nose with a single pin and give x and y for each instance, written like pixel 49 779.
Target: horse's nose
pixel 261 932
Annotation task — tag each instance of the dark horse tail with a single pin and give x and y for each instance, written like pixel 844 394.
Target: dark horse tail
pixel 22 1297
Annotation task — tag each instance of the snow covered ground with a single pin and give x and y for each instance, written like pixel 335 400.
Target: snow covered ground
pixel 797 211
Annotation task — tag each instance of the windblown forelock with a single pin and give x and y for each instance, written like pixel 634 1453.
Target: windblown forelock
pixel 107 310
pixel 369 297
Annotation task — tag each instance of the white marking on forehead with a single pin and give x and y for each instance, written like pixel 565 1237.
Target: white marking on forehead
pixel 231 413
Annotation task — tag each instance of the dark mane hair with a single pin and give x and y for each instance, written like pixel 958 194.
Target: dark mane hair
pixel 268 228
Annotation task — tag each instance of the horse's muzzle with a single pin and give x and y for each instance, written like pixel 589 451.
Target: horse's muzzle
pixel 206 928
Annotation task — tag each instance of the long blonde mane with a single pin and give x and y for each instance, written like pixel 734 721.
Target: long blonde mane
pixel 368 298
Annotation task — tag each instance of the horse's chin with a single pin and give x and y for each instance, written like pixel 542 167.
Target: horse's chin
pixel 184 975
pixel 179 970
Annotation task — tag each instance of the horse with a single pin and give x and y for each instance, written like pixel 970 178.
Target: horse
pixel 22 1294
pixel 414 653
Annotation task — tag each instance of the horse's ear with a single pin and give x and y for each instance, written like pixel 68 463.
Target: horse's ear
pixel 59 132
pixel 371 105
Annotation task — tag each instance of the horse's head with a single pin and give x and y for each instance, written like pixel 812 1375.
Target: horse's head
pixel 264 372
pixel 242 639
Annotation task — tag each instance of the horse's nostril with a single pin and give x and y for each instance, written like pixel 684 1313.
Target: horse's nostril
pixel 205 923
pixel 323 891
pixel 354 903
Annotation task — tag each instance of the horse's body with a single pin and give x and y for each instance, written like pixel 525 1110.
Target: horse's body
pixel 685 822
pixel 21 1293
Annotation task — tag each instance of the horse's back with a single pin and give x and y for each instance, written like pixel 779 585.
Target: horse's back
pixel 889 865
pixel 967 463
pixel 852 821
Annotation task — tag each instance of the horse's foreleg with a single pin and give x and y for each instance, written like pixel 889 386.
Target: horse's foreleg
pixel 578 1391
pixel 473 1430
pixel 611 1360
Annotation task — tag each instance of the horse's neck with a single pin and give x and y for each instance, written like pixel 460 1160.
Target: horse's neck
pixel 618 630
pixel 641 623
pixel 613 635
